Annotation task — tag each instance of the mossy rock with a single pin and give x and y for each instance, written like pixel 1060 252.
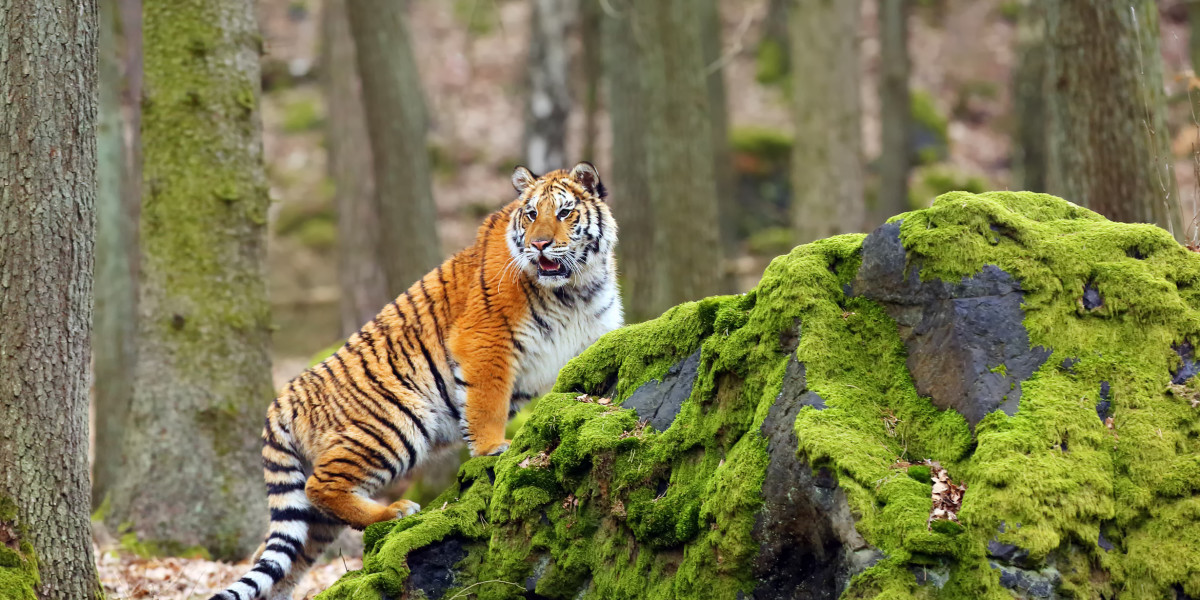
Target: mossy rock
pixel 782 467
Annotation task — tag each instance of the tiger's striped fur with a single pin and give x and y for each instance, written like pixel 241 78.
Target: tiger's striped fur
pixel 450 359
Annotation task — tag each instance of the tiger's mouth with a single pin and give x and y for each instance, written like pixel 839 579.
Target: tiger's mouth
pixel 548 267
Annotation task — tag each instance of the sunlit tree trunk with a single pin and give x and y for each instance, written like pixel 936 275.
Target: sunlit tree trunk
pixel 116 251
pixel 896 121
pixel 1109 145
pixel 549 101
pixel 202 381
pixel 396 124
pixel 827 163
pixel 48 87
pixel 360 273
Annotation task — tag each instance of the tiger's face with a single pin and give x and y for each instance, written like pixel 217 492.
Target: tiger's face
pixel 562 232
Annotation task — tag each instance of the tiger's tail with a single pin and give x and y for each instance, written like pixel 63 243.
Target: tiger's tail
pixel 294 521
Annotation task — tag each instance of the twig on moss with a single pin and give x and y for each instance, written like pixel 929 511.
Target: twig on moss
pixel 478 583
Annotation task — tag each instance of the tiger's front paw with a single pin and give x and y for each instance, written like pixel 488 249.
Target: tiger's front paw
pixel 494 450
pixel 405 508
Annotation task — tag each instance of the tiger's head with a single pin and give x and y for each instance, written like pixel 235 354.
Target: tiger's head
pixel 561 231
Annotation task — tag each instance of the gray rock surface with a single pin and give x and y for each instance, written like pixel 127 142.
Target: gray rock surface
pixel 967 345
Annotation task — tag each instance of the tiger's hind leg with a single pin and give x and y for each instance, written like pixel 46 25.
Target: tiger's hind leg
pixel 341 483
pixel 319 537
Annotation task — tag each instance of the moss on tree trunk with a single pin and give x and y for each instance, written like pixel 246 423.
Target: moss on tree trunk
pixel 202 381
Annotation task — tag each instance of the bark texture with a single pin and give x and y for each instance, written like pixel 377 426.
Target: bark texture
pixel 678 145
pixel 549 102
pixel 364 288
pixel 827 164
pixel 895 155
pixel 628 184
pixel 1029 100
pixel 714 60
pixel 47 227
pixel 397 126
pixel 115 318
pixel 1109 145
pixel 202 380
pixel 591 70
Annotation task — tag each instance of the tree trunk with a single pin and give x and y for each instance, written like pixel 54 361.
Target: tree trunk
pixel 827 164
pixel 1029 100
pixel 396 122
pixel 549 102
pixel 47 227
pixel 628 185
pixel 116 250
pixel 678 145
pixel 1109 146
pixel 591 69
pixel 202 381
pixel 714 59
pixel 895 154
pixel 363 285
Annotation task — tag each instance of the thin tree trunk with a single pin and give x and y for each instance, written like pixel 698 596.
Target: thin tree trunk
pixel 397 125
pixel 678 145
pixel 116 249
pixel 1029 100
pixel 202 381
pixel 549 102
pixel 591 56
pixel 895 156
pixel 710 36
pixel 363 285
pixel 47 228
pixel 827 164
pixel 628 185
pixel 1109 146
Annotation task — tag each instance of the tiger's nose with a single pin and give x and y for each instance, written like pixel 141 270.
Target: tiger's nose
pixel 540 245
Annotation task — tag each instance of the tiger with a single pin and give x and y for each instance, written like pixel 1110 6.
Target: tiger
pixel 449 360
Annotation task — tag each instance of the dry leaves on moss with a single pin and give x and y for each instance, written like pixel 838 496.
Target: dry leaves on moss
pixel 947 495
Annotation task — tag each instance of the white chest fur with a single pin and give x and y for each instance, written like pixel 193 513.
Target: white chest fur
pixel 561 326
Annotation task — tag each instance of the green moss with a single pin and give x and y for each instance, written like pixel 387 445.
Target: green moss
pixel 771 241
pixel 934 180
pixel 129 543
pixel 1137 481
pixel 771 62
pixel 930 122
pixel 301 115
pixel 769 145
pixel 589 498
pixel 19 575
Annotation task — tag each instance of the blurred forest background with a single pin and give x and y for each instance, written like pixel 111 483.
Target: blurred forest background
pixel 228 257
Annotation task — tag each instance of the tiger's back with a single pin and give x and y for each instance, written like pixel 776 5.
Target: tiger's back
pixel 448 360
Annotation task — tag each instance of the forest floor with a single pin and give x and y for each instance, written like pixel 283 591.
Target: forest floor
pixel 128 576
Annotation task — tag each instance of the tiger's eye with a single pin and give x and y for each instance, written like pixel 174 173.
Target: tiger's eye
pixel 562 214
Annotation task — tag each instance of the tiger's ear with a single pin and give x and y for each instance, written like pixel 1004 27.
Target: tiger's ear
pixel 585 174
pixel 522 178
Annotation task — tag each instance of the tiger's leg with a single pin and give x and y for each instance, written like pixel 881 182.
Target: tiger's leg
pixel 342 481
pixel 486 360
pixel 319 536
